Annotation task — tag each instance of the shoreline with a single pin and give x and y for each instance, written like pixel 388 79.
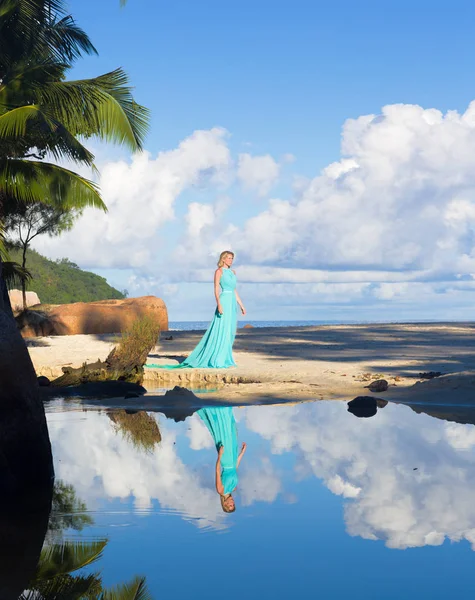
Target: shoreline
pixel 301 363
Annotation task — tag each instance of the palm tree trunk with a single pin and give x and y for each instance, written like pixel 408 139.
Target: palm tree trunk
pixel 4 297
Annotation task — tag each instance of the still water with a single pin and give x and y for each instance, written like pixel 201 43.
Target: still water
pixel 327 504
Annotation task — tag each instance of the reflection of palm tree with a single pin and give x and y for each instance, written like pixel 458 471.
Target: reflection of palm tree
pixel 139 428
pixel 53 579
pixel 67 511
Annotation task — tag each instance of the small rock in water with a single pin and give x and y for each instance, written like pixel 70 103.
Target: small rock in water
pixel 248 326
pixel 43 381
pixel 170 337
pixel 381 385
pixel 430 375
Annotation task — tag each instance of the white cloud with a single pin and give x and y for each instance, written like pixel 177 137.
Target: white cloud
pixel 396 214
pixel 258 173
pixel 406 176
pixel 140 196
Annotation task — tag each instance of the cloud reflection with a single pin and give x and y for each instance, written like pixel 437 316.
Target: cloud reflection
pixel 404 478
pixel 102 465
pixel 408 478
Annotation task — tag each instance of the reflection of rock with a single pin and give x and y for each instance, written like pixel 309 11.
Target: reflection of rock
pixel 363 406
pixel 16 299
pixel 105 316
pixel 94 389
pixel 179 403
pixel 22 534
pixel 458 414
pixel 140 428
pixel 380 385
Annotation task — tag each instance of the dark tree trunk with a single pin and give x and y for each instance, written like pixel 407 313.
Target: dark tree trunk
pixel 4 297
pixel 25 450
pixel 23 281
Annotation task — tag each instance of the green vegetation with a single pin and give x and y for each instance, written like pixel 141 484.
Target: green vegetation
pixel 62 282
pixel 135 343
pixel 43 114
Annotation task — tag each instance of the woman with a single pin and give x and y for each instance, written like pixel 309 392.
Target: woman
pixel 222 426
pixel 215 349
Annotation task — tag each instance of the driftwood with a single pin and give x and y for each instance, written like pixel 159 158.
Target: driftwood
pixel 124 363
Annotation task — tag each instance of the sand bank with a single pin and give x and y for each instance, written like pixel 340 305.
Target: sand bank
pixel 301 363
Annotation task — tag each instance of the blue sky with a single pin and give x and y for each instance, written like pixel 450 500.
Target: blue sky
pixel 282 79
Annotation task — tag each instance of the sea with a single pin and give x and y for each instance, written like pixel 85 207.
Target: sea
pixel 199 325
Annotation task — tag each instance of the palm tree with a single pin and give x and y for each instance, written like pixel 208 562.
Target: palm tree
pixel 53 579
pixel 42 114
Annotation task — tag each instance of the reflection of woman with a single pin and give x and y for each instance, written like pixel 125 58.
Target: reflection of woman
pixel 222 426
pixel 215 350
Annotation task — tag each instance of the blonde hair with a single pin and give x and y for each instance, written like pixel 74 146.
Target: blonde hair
pixel 222 256
pixel 223 499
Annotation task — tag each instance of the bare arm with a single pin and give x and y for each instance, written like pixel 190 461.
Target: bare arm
pixel 217 289
pixel 219 483
pixel 239 301
pixel 241 454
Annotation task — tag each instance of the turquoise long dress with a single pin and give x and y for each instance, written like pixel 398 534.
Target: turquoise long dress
pixel 215 350
pixel 222 426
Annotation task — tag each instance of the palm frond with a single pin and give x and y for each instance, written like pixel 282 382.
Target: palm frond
pixel 103 107
pixel 56 139
pixel 59 559
pixel 7 7
pixel 37 181
pixel 14 274
pixel 67 40
pixel 14 123
pixel 67 587
pixel 134 590
pixel 19 83
pixel 21 24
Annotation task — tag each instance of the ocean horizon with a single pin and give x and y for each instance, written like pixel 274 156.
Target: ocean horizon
pixel 199 325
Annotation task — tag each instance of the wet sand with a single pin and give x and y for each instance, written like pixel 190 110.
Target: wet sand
pixel 301 363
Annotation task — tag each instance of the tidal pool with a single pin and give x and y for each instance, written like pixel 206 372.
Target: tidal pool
pixel 327 504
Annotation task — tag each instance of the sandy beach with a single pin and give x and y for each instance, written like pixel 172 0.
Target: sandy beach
pixel 301 363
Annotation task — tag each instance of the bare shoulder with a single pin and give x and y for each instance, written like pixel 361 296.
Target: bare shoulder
pixel 233 271
pixel 218 272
